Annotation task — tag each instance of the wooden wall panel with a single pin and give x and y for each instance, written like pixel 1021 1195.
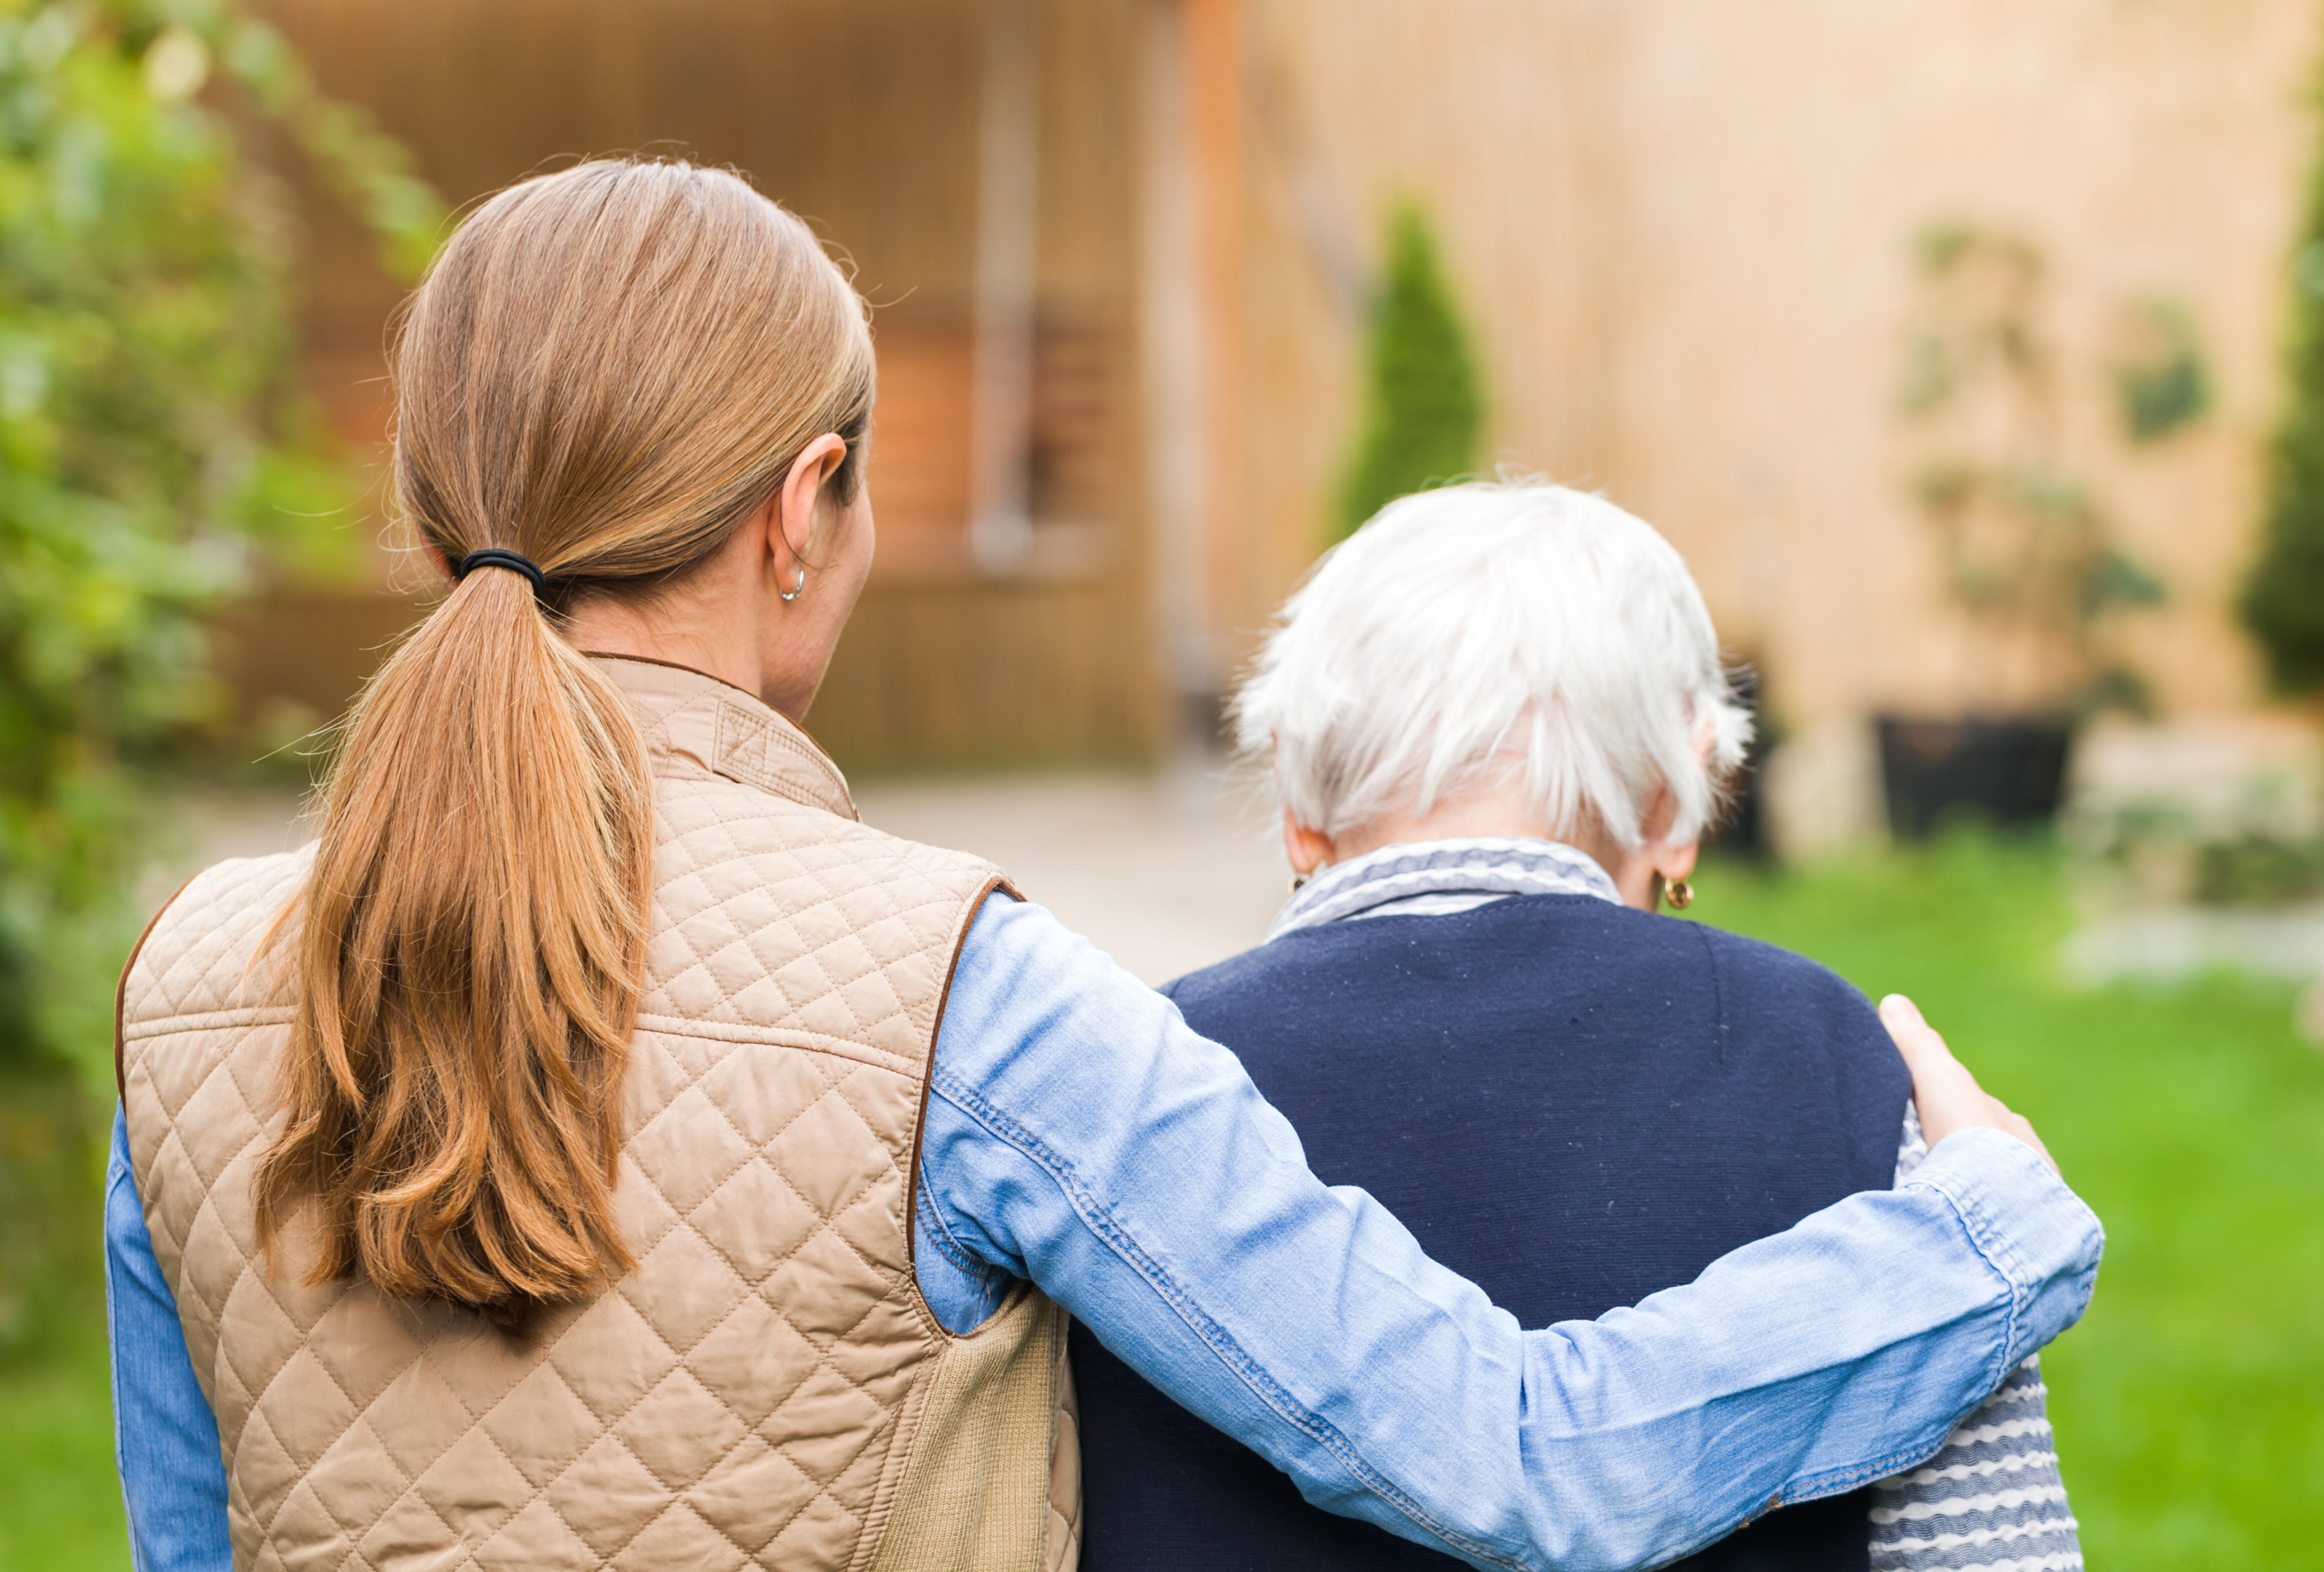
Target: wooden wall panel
pixel 1491 114
pixel 1683 229
pixel 861 116
pixel 1778 167
pixel 944 674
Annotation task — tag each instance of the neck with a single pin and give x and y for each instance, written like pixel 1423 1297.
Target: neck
pixel 678 635
pixel 1501 811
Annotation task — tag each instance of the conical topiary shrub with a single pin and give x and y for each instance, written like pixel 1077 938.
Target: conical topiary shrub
pixel 2283 600
pixel 1423 413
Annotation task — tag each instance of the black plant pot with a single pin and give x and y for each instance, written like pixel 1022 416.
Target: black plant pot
pixel 1743 830
pixel 2009 770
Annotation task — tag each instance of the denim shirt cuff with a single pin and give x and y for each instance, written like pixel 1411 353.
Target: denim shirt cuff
pixel 2032 1230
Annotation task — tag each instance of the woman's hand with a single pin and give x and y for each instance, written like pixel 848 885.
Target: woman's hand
pixel 1946 1094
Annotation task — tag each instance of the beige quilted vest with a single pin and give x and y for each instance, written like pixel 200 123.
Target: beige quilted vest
pixel 767 1388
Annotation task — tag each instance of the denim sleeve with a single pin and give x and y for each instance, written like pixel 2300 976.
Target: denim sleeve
pixel 165 1439
pixel 1080 1135
pixel 1995 1482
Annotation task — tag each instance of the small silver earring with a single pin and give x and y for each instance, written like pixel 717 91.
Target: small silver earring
pixel 795 591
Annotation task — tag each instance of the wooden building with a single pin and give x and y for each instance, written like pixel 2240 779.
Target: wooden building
pixel 976 167
pixel 1120 251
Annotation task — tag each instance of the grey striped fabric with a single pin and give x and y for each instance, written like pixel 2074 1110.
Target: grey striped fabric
pixel 1437 878
pixel 1991 1501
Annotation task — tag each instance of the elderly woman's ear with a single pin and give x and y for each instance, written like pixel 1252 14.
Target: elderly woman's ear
pixel 1673 864
pixel 1658 861
pixel 1641 871
pixel 1305 849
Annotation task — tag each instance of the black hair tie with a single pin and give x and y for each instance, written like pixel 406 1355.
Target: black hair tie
pixel 495 557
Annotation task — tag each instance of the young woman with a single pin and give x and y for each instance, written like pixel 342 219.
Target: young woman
pixel 601 1150
pixel 1497 724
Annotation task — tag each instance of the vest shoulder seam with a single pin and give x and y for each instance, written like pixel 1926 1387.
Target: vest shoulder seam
pixel 843 830
pixel 775 1037
pixel 211 1021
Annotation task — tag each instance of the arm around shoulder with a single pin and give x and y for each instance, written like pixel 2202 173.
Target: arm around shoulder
pixel 1080 1135
pixel 2025 1222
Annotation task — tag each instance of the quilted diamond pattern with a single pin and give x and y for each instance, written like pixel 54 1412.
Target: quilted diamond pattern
pixel 738 1400
pixel 842 939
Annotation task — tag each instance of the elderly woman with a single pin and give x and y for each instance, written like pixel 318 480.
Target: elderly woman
pixel 1498 728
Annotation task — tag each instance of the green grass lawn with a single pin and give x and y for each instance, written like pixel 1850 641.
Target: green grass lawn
pixel 59 1504
pixel 2189 1403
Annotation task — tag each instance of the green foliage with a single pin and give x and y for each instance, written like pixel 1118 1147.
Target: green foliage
pixel 2027 549
pixel 2283 599
pixel 2161 385
pixel 155 452
pixel 1423 415
pixel 48 1209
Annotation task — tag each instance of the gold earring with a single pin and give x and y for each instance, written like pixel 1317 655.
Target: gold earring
pixel 1679 893
pixel 1298 880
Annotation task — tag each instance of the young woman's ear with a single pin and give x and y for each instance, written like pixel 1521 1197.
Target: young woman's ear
pixel 797 514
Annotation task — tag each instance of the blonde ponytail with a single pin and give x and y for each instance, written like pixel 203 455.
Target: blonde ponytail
pixel 607 369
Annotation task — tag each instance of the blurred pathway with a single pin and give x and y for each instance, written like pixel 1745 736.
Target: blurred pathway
pixel 1166 872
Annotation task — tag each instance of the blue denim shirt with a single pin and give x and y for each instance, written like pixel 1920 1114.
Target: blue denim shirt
pixel 1079 1135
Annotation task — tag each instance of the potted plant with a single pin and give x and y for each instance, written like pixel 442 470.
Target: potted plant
pixel 2026 551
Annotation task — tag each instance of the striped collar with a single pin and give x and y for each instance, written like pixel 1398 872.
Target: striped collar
pixel 1434 878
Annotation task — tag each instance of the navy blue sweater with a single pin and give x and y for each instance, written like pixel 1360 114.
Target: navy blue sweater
pixel 1569 1102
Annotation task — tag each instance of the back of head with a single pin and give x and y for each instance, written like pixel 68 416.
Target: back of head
pixel 607 369
pixel 1476 629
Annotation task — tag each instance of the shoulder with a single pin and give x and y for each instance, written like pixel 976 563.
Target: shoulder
pixel 703 822
pixel 1777 1007
pixel 1759 987
pixel 225 891
pixel 194 958
pixel 195 954
pixel 1756 981
pixel 1280 967
pixel 771 916
pixel 1756 975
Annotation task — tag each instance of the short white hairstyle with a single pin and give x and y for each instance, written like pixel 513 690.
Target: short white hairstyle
pixel 1478 630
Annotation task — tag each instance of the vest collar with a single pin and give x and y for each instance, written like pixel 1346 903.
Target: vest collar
pixel 728 731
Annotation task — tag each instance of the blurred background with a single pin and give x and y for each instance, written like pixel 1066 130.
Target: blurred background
pixel 1973 353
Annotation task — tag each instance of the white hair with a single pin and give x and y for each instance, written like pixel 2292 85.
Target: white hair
pixel 1467 632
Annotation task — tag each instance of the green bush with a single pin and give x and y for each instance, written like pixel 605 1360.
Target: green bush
pixel 156 457
pixel 155 452
pixel 48 1208
pixel 1424 414
pixel 2283 598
